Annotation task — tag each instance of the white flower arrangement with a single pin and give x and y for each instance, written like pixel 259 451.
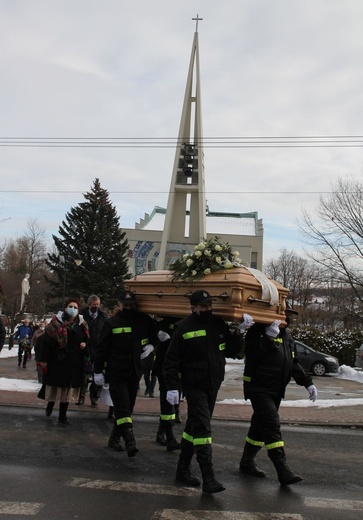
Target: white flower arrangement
pixel 208 256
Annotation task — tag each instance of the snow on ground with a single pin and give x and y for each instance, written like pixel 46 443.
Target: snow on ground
pixel 344 372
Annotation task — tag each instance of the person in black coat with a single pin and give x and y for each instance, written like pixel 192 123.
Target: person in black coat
pixel 2 334
pixel 62 356
pixel 95 320
pixel 127 339
pixel 270 363
pixel 165 434
pixel 195 364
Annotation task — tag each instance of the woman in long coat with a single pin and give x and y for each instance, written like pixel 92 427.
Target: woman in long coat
pixel 62 358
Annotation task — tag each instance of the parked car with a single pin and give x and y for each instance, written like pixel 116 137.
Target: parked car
pixel 316 362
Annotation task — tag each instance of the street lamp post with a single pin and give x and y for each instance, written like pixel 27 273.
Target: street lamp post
pixel 62 259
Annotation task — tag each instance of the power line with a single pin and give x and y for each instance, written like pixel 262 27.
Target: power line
pixel 335 141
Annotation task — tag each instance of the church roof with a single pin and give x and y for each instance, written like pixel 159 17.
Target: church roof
pixel 217 223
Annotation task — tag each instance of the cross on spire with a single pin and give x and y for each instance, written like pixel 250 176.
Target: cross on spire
pixel 197 20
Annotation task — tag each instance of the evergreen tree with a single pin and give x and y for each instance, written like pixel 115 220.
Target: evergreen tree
pixel 90 232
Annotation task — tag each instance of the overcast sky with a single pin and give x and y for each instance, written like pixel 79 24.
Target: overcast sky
pixel 118 69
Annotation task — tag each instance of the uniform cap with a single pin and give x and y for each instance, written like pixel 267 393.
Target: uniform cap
pixel 289 309
pixel 200 297
pixel 127 297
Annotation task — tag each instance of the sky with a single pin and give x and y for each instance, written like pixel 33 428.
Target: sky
pixel 232 366
pixel 78 69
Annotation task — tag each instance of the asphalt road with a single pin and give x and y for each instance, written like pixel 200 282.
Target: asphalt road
pixel 52 472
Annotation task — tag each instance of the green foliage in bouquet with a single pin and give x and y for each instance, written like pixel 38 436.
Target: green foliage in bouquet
pixel 208 256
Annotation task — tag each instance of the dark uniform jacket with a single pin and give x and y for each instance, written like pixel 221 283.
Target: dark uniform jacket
pixel 65 365
pixel 270 364
pixel 121 343
pixel 197 352
pixel 94 326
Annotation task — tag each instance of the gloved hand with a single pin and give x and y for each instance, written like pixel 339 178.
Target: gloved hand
pixel 172 396
pixel 146 351
pixel 246 323
pixel 99 379
pixel 272 331
pixel 163 336
pixel 313 393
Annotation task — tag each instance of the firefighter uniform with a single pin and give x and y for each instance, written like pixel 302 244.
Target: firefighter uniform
pixel 195 363
pixel 122 341
pixel 270 363
pixel 165 434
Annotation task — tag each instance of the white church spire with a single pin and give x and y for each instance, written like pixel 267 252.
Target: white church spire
pixel 185 220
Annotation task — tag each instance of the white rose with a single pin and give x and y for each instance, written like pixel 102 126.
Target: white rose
pixel 198 254
pixel 228 264
pixel 207 252
pixel 194 273
pixel 189 262
pixel 235 253
pixel 218 260
pixel 186 256
pixel 218 248
pixel 207 271
pixel 201 246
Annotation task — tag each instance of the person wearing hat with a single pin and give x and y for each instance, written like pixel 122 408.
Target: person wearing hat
pixel 195 363
pixel 24 334
pixel 270 363
pixel 126 340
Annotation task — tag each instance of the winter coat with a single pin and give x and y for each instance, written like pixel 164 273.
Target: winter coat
pixel 2 334
pixel 24 330
pixel 197 352
pixel 94 326
pixel 270 364
pixel 65 365
pixel 121 344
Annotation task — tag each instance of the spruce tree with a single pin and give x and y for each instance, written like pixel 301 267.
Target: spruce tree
pixel 90 232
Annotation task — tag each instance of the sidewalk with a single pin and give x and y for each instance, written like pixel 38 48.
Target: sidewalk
pixel 344 416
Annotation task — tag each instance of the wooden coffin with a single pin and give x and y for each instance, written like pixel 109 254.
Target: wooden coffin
pixel 235 291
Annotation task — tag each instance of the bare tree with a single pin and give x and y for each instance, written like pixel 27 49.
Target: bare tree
pixel 333 234
pixel 297 274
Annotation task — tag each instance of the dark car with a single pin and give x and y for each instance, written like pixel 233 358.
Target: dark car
pixel 316 362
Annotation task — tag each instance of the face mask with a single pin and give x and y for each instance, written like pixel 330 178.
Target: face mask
pixel 94 309
pixel 41 328
pixel 72 312
pixel 205 315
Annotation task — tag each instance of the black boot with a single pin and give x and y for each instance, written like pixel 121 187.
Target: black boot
pixel 248 465
pixel 49 408
pixel 130 443
pixel 62 419
pixel 171 442
pixel 160 435
pixel 204 458
pixel 114 440
pixel 183 470
pixel 284 474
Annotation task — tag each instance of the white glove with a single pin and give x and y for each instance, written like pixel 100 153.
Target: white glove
pixel 146 351
pixel 99 379
pixel 172 396
pixel 163 336
pixel 246 323
pixel 313 393
pixel 272 331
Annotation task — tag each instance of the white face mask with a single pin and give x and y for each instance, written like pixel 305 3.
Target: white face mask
pixel 72 312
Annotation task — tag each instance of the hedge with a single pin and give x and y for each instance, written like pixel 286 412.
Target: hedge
pixel 341 344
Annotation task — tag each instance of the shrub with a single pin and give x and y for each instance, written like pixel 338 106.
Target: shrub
pixel 341 344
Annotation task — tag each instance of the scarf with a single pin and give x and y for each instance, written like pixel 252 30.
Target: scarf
pixel 59 329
